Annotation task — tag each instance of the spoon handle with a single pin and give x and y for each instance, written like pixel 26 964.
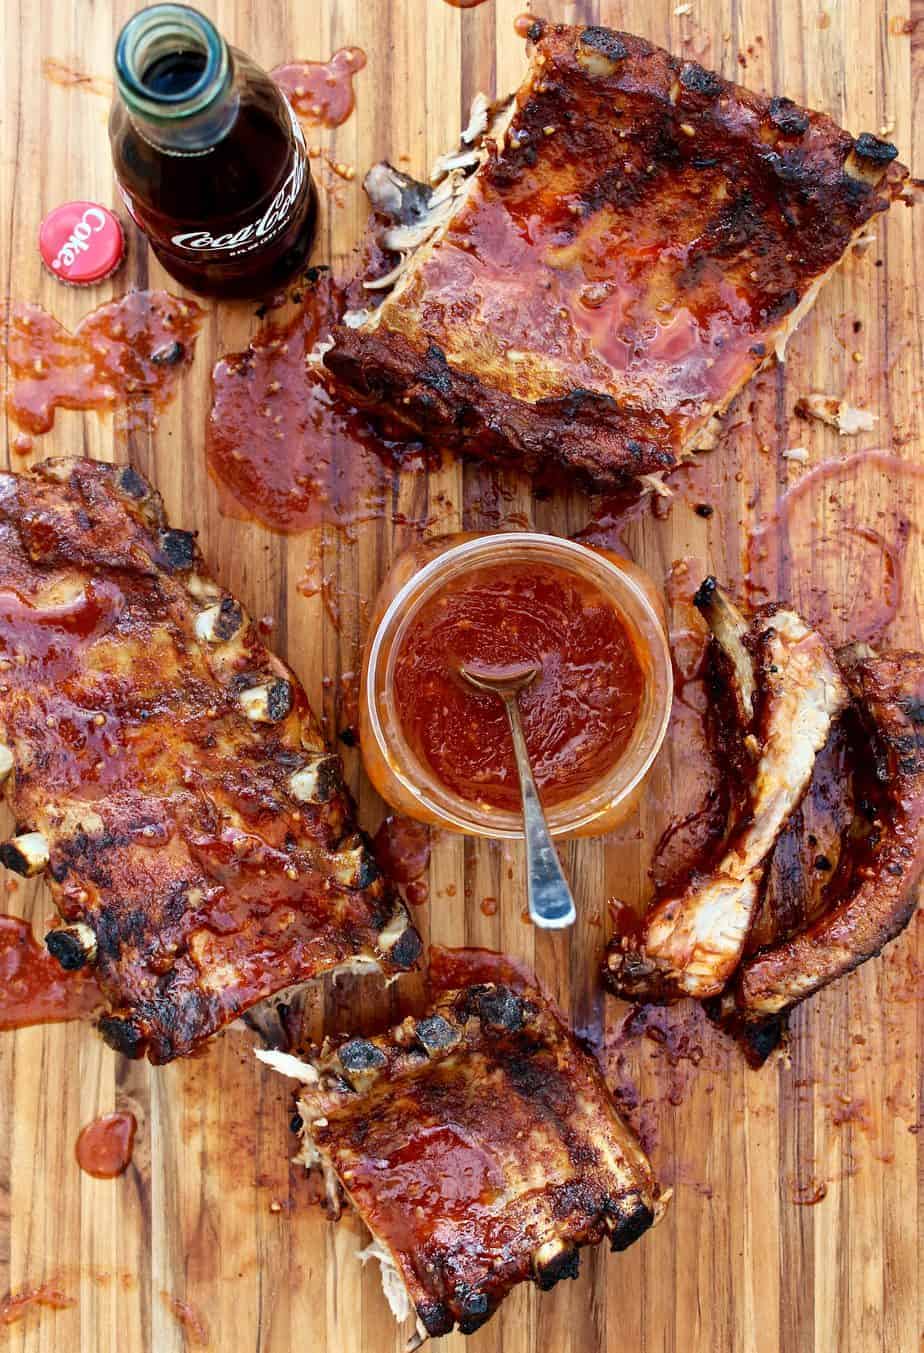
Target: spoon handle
pixel 551 905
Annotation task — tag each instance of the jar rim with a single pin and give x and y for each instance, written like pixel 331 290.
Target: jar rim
pixel 572 815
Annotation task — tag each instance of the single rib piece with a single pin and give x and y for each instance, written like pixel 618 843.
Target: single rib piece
pixel 480 1146
pixel 167 771
pixel 629 243
pixel 883 880
pixel 789 691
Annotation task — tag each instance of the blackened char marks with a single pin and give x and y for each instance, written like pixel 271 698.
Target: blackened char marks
pixel 482 1148
pixel 621 262
pixel 199 841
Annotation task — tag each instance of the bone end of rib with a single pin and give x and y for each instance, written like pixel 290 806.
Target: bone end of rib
pixel 216 624
pixel 554 1260
pixel 267 703
pixel 728 627
pixel 6 763
pixel 26 855
pixel 72 945
pixel 317 782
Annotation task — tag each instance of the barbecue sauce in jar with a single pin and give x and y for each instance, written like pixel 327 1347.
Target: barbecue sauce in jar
pixel 594 715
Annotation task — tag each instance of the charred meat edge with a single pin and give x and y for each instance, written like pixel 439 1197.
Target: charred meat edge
pixel 692 942
pixel 882 895
pixel 359 1061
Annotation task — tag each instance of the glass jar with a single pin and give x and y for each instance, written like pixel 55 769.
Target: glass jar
pixel 407 784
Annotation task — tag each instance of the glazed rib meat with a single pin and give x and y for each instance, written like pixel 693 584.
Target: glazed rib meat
pixel 480 1146
pixel 167 773
pixel 629 241
pixel 878 887
pixel 788 692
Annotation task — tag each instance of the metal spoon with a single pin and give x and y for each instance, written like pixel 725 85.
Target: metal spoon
pixel 548 895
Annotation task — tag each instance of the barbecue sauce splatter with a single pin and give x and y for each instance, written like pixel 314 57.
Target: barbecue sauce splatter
pixel 402 848
pixel 34 988
pixel 15 1306
pixel 450 969
pixel 127 356
pixel 70 77
pixel 104 1147
pixel 194 1326
pixel 844 573
pixel 290 452
pixel 321 92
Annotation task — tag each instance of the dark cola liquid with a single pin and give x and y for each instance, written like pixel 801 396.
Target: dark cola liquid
pixel 234 218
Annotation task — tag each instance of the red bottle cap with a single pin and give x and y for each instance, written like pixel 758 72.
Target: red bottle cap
pixel 81 243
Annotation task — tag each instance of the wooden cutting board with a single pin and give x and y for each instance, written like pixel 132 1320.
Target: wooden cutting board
pixel 795 1224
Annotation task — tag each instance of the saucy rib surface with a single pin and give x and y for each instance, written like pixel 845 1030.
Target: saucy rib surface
pixel 166 771
pixel 480 1146
pixel 885 866
pixel 626 251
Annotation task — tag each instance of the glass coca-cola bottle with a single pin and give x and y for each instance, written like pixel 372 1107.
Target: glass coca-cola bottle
pixel 209 157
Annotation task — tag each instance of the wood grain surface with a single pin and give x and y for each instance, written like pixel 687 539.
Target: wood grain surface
pixel 209 1240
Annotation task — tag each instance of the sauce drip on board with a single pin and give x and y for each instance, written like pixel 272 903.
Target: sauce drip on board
pixel 449 969
pixel 402 848
pixel 843 571
pixel 321 92
pixel 18 1304
pixel 579 712
pixel 522 24
pixel 70 77
pixel 193 1324
pixel 104 1147
pixel 127 355
pixel 465 4
pixel 289 451
pixel 34 988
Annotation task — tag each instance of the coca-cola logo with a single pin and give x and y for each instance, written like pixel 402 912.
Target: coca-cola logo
pixel 91 223
pixel 256 232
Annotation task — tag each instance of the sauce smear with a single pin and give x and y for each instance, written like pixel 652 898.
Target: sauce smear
pixel 579 712
pixel 843 568
pixel 321 92
pixel 127 355
pixel 449 969
pixel 104 1147
pixel 402 848
pixel 289 451
pixel 17 1304
pixel 34 988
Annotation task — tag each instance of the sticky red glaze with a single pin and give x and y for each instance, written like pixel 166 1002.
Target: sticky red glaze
pixel 104 1147
pixel 34 988
pixel 402 848
pixel 465 4
pixel 451 969
pixel 126 355
pixel 289 450
pixel 321 92
pixel 440 1178
pixel 578 713
pixel 17 1304
pixel 841 565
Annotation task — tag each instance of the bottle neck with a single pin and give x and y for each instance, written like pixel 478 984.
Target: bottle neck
pixel 174 72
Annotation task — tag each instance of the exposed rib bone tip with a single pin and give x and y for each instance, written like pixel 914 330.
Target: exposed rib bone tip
pixel 26 855
pixel 269 703
pixel 72 945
